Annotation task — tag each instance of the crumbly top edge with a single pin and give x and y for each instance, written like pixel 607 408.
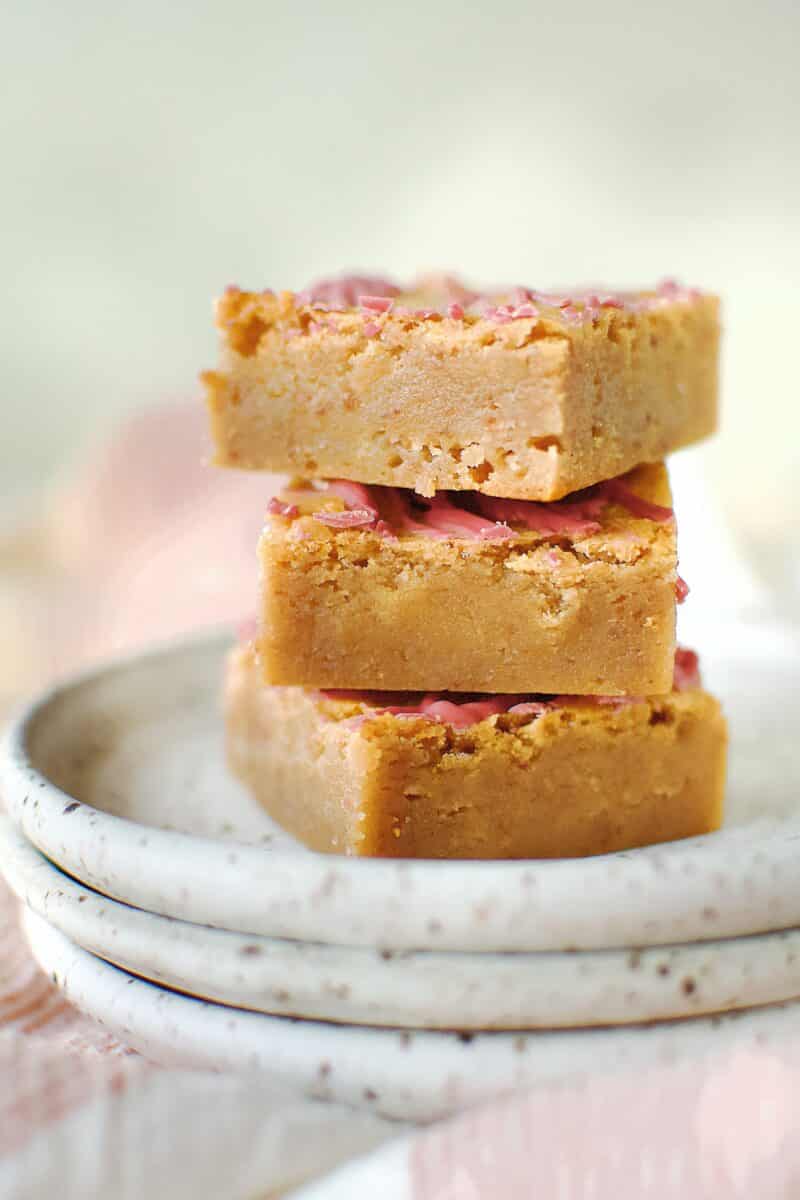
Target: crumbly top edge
pixel 375 300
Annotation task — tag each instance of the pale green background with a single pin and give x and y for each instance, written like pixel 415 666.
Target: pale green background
pixel 154 152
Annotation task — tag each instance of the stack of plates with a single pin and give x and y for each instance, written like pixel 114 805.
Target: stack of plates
pixel 166 904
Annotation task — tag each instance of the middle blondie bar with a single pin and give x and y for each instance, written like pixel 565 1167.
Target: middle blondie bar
pixel 376 587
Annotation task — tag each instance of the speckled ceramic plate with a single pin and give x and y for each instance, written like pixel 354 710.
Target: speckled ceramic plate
pixel 431 990
pixel 119 777
pixel 398 1073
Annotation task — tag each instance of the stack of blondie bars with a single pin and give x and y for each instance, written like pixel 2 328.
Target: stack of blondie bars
pixel 465 645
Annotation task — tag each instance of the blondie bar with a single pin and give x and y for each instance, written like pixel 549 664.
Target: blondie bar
pixel 427 776
pixel 519 394
pixel 374 587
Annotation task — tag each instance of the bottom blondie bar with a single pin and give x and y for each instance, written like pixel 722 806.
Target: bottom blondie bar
pixel 408 776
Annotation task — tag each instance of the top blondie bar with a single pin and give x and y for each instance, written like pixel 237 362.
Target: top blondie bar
pixel 520 394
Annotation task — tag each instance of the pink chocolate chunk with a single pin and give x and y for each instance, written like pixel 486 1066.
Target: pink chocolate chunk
pixel 687 670
pixel 278 509
pixel 448 710
pixel 376 304
pixel 361 513
pixel 347 291
pixel 574 518
pixel 351 518
pixel 443 516
pixel 500 305
pixel 619 492
pixel 471 515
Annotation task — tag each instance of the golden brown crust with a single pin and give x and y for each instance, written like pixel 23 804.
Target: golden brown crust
pixel 587 614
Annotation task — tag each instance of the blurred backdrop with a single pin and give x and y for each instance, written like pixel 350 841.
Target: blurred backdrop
pixel 153 153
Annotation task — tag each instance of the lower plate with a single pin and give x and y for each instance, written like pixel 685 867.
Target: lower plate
pixel 119 777
pixel 403 1074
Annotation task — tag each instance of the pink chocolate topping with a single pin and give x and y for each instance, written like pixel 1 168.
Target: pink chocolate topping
pixel 278 509
pixel 347 291
pixel 374 294
pixel 472 515
pixel 352 518
pixel 361 513
pixel 442 517
pixel 392 510
pixel 687 670
pixel 616 490
pixel 501 314
pixel 355 495
pixel 459 711
pixel 572 517
pixel 377 304
pixel 681 590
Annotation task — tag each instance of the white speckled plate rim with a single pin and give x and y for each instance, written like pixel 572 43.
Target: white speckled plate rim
pixel 425 989
pixel 741 880
pixel 416 1075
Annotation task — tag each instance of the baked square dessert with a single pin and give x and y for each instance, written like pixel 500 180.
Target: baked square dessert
pixel 519 394
pixel 374 587
pixel 427 776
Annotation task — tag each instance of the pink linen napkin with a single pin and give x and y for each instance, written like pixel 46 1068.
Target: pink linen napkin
pixel 725 1130
pixel 144 542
